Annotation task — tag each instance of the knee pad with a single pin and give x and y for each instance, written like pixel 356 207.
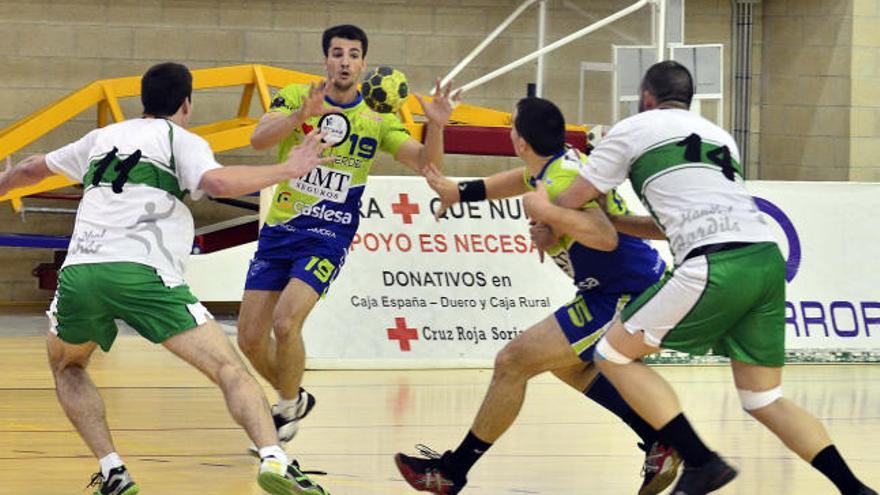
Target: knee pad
pixel 752 401
pixel 609 353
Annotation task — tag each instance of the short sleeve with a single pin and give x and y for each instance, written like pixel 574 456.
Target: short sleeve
pixel 285 101
pixel 608 165
pixel 394 134
pixel 192 157
pixel 72 161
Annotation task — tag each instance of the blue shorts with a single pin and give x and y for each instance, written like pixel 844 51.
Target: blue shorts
pixel 586 318
pixel 310 259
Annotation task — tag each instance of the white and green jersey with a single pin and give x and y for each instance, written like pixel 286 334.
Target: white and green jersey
pixel 135 175
pixel 686 171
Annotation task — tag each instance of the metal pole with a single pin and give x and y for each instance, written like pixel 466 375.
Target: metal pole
pixel 661 30
pixel 549 48
pixel 542 34
pixel 482 46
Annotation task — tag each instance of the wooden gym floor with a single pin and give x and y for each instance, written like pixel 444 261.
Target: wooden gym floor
pixel 172 429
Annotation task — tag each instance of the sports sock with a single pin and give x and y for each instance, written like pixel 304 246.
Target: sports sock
pixel 603 393
pixel 288 407
pixel 276 452
pixel 829 462
pixel 108 462
pixel 467 454
pixel 680 434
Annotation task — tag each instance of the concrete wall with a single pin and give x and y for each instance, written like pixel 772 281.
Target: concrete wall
pixel 814 60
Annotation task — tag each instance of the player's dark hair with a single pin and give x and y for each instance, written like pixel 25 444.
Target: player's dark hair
pixel 669 81
pixel 164 87
pixel 347 32
pixel 541 124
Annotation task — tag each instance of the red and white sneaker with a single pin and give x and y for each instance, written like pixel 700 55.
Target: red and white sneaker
pixel 660 468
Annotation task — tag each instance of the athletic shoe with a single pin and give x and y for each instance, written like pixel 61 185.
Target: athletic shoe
pixel 430 473
pixel 660 468
pixel 118 483
pixel 288 426
pixel 278 479
pixel 704 479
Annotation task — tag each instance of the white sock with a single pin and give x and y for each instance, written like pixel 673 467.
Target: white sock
pixel 288 408
pixel 276 452
pixel 108 462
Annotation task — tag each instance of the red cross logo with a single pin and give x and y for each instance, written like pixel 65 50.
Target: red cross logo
pixel 402 334
pixel 404 208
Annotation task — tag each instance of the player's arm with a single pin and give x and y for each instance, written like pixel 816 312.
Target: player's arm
pixel 238 180
pixel 589 227
pixel 641 226
pixel 418 156
pixel 280 121
pixel 501 185
pixel 29 171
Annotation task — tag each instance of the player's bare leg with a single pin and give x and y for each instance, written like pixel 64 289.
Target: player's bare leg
pixel 207 348
pixel 800 431
pixel 255 332
pixel 78 395
pixel 84 407
pixel 617 357
pixel 291 310
pixel 542 347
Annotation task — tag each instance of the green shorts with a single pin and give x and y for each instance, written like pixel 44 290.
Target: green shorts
pixel 91 296
pixel 730 302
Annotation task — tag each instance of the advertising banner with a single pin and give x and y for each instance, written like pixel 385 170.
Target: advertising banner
pixel 415 292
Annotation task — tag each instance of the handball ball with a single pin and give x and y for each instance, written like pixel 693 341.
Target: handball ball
pixel 385 89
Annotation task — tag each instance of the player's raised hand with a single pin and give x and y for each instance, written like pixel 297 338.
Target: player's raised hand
pixel 307 155
pixel 313 105
pixel 445 188
pixel 537 203
pixel 439 109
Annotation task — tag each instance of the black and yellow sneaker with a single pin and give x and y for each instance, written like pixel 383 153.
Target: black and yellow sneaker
pixel 278 479
pixel 118 483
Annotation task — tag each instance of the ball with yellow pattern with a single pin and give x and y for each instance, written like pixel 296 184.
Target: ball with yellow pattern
pixel 385 89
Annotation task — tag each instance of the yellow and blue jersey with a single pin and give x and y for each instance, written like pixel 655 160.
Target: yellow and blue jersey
pixel 324 203
pixel 632 267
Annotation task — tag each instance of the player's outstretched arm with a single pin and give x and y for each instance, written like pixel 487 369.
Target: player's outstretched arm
pixel 275 126
pixel 501 185
pixel 29 171
pixel 416 155
pixel 641 226
pixel 589 227
pixel 238 180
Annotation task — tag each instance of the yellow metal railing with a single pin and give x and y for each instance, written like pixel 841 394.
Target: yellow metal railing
pixel 222 136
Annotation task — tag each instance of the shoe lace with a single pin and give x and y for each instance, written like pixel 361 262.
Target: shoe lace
pixel 314 472
pixel 427 451
pixel 97 480
pixel 653 455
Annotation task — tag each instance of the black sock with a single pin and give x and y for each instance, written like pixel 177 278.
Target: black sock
pixel 603 393
pixel 680 434
pixel 467 454
pixel 829 463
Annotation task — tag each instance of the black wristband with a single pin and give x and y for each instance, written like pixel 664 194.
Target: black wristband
pixel 472 190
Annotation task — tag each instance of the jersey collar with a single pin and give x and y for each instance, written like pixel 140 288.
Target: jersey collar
pixel 345 106
pixel 533 181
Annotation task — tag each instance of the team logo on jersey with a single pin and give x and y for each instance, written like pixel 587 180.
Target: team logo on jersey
pixel 283 200
pixel 335 127
pixel 324 183
pixel 280 102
